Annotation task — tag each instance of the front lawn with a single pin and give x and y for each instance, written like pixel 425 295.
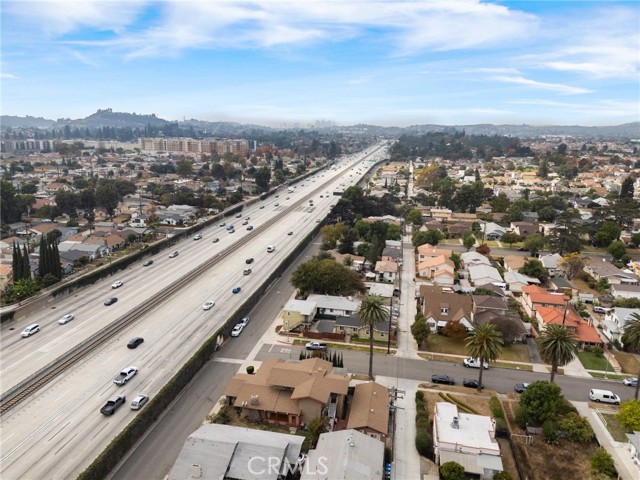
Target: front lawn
pixel 629 362
pixel 440 344
pixel 591 361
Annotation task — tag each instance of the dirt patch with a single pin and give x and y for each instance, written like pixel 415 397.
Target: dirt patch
pixel 508 462
pixel 629 362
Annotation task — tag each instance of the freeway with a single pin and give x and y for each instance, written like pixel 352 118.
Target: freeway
pixel 59 430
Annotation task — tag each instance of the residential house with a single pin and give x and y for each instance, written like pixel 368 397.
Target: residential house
pixel 386 271
pixel 516 280
pixel 459 230
pixel 550 263
pixel 216 451
pixel 615 276
pixel 385 290
pixel 625 291
pixel 467 439
pixel 298 313
pixel 345 454
pixel 439 308
pixel 351 325
pixel 470 259
pixel 510 324
pixel 330 306
pixel 114 241
pixel 172 219
pixel 524 229
pixel 534 296
pixel 492 231
pixel 109 227
pixel 91 250
pixel 563 285
pixel 634 448
pixel 440 270
pixel 482 274
pixel 6 275
pixel 289 393
pixel 615 320
pixel 391 254
pixel 584 332
pixel 369 410
pixel 488 303
pixel 429 251
pixel 18 228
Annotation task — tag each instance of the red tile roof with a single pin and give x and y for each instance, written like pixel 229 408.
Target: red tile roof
pixel 583 331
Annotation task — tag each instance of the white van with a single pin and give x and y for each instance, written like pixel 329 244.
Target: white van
pixel 270 248
pixel 605 396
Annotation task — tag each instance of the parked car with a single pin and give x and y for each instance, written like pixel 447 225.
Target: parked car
pixel 236 290
pixel 173 254
pixel 599 309
pixel 147 263
pixel 197 237
pixel 30 330
pixel 125 375
pixel 237 330
pixel 605 396
pixel 443 379
pixel 117 284
pixel 110 301
pixel 244 322
pixel 474 363
pixel 216 240
pixel 471 383
pixel 316 346
pixel 139 402
pixel 290 233
pixel 66 319
pixel 630 382
pixel 520 387
pixel 112 405
pixel 208 305
pixel 134 342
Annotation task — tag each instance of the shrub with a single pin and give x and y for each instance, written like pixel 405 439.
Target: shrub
pixel 496 408
pixel 502 476
pixel 629 414
pixel 501 425
pixel 521 417
pixel 222 416
pixel 419 395
pixel 424 443
pixel 598 351
pixel 451 471
pixel 601 462
pixel 250 369
pixel 549 432
pixel 576 427
pixel 49 279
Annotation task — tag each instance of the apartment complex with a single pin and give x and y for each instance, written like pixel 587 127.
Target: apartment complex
pixel 191 145
pixel 32 145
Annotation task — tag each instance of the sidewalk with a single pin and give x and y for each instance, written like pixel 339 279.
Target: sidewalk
pixel 619 451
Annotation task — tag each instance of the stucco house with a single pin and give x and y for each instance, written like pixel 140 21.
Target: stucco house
pixel 440 269
pixel 440 307
pixel 298 313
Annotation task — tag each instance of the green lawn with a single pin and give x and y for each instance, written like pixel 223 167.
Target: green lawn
pixel 610 376
pixel 441 344
pixel 591 361
pixel 616 430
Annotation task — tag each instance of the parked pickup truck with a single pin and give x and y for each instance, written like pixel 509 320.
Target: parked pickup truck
pixel 125 375
pixel 474 363
pixel 316 346
pixel 113 404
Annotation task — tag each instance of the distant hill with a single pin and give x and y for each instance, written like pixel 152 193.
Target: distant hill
pixel 109 118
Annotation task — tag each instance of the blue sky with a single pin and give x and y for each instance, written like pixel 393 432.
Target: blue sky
pixel 287 62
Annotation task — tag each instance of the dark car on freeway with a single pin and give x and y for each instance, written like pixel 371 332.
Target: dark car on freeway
pixel 471 383
pixel 134 342
pixel 112 405
pixel 147 263
pixel 110 301
pixel 443 379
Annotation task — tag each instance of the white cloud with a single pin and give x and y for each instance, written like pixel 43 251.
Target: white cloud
pixel 7 75
pixel 602 108
pixel 555 87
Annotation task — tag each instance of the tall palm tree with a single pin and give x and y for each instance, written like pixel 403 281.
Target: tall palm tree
pixel 485 343
pixel 631 338
pixel 372 312
pixel 558 346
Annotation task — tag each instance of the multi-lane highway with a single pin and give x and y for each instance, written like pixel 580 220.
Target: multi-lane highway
pixel 58 430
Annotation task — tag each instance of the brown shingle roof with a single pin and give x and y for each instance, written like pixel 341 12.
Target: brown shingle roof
pixel 370 408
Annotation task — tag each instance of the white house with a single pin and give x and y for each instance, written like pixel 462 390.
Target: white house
pixel 484 274
pixel 614 321
pixel 334 306
pixel 473 258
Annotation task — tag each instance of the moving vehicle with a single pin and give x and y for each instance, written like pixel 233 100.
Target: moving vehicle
pixel 110 301
pixel 173 254
pixel 237 330
pixel 139 401
pixel 117 284
pixel 250 227
pixel 474 363
pixel 246 271
pixel 134 342
pixel 290 233
pixel 30 330
pixel 236 290
pixel 249 260
pixel 245 222
pixel 147 263
pixel 605 396
pixel 198 237
pixel 630 382
pixel 125 375
pixel 222 224
pixel 443 379
pixel 270 248
pixel 208 305
pixel 471 383
pixel 238 215
pixel 216 240
pixel 316 346
pixel 66 319
pixel 112 405
pixel 520 387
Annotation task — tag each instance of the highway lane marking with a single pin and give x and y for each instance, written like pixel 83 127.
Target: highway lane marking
pixel 60 430
pixel 100 430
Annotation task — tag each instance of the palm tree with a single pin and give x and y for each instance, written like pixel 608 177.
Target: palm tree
pixel 631 338
pixel 372 312
pixel 485 343
pixel 558 346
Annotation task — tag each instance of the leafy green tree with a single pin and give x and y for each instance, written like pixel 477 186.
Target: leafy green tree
pixel 485 343
pixel 327 277
pixel 543 169
pixel 49 279
pixel 262 177
pixel 607 233
pixel 107 197
pixel 547 214
pixel 184 167
pixel 433 236
pixel 414 216
pixel 573 264
pixel 393 232
pixel 542 401
pixel 602 462
pixel 502 476
pixel 500 203
pixel 451 471
pixel 534 268
pixel 577 428
pixel 534 243
pixel 629 414
pixel 24 288
pixel 558 346
pixel 420 330
pixel 469 241
pixel 617 249
pixel 626 189
pixel 510 238
pixel 372 312
pixel 631 339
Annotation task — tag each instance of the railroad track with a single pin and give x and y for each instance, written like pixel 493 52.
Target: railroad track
pixel 32 384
